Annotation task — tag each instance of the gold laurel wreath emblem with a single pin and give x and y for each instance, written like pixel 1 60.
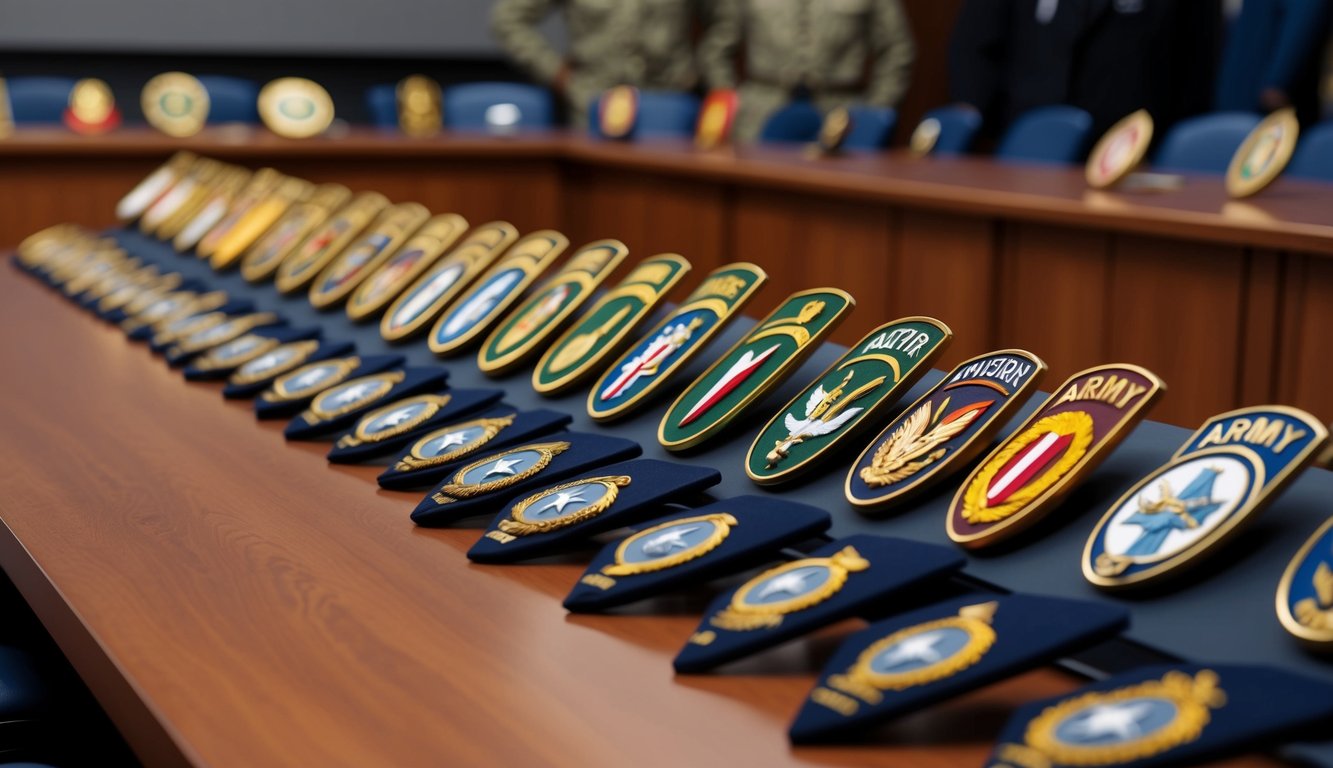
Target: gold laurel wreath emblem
pixel 301 350
pixel 362 434
pixel 383 383
pixel 1317 612
pixel 1077 423
pixel 489 429
pixel 864 683
pixel 456 489
pixel 1193 697
pixel 919 442
pixel 282 392
pixel 741 616
pixel 721 524
pixel 519 525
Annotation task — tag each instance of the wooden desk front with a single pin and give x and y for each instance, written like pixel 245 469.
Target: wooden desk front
pixel 1228 301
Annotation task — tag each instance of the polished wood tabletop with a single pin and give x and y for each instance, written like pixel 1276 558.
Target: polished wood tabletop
pixel 234 600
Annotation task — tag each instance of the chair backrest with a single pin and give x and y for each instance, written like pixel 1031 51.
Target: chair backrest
pixel 1204 143
pixel 872 127
pixel 382 105
pixel 498 106
pixel 661 114
pixel 231 99
pixel 1313 158
pixel 1057 134
pixel 798 122
pixel 36 100
pixel 958 128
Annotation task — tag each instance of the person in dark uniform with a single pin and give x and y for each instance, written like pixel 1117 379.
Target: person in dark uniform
pixel 1272 58
pixel 1109 57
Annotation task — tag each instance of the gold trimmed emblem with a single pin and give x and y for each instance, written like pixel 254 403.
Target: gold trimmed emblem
pixel 254 371
pixel 351 395
pixel 977 507
pixel 807 582
pixel 236 352
pixel 1305 595
pixel 429 406
pixel 460 488
pixel 489 427
pixel 1264 154
pixel 558 497
pixel 175 103
pixel 664 543
pixel 303 382
pixel 295 107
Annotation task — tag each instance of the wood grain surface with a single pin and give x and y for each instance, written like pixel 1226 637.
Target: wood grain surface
pixel 234 600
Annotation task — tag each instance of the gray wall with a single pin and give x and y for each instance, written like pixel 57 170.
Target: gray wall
pixel 431 28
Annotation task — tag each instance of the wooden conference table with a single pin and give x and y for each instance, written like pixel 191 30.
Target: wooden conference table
pixel 1228 301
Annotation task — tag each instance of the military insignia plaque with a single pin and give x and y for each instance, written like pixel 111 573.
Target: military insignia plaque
pixel 1264 154
pixel 833 131
pixel 256 221
pixel 290 392
pixel 190 344
pixel 475 488
pixel 346 271
pixel 1183 714
pixel 441 451
pixel 417 254
pixel 1064 440
pixel 924 137
pixel 838 580
pixel 847 397
pixel 226 186
pixel 692 547
pixel 420 106
pixel 525 330
pixel 573 511
pixel 253 376
pixel 153 186
pixel 943 430
pixel 92 108
pixel 649 364
pixel 602 330
pixel 418 305
pixel 391 428
pixel 175 103
pixel 260 185
pixel 618 111
pixel 1228 470
pixel 769 353
pixel 263 258
pixel 1120 150
pixel 1305 594
pixel 184 195
pixel 295 107
pixel 338 407
pixel 497 290
pixel 717 117
pixel 328 240
pixel 904 664
pixel 220 361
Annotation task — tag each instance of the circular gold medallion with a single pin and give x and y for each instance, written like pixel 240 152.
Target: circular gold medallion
pixel 175 103
pixel 295 107
pixel 1120 150
pixel 1264 154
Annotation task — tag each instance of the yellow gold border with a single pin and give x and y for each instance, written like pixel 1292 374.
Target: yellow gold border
pixel 519 525
pixel 721 522
pixel 1291 129
pixel 434 238
pixel 742 616
pixel 278 392
pixel 304 349
pixel 489 427
pixel 456 489
pixel 1140 150
pixel 360 435
pixel 1317 639
pixel 384 381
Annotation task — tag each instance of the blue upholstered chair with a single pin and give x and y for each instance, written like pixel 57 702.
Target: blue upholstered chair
pixel 1057 134
pixel 1204 143
pixel 958 128
pixel 661 114
pixel 498 106
pixel 798 122
pixel 1314 154
pixel 872 127
pixel 382 104
pixel 231 99
pixel 38 100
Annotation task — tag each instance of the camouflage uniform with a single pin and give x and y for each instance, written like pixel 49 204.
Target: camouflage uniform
pixel 837 51
pixel 645 43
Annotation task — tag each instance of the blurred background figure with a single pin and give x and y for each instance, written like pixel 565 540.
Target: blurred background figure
pixel 1108 57
pixel 830 52
pixel 1273 57
pixel 644 43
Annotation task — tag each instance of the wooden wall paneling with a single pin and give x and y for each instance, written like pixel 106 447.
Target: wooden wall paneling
pixel 945 266
pixel 1261 328
pixel 1176 309
pixel 1307 312
pixel 807 242
pixel 1053 295
pixel 45 191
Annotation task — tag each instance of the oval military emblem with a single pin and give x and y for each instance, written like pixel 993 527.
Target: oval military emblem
pixel 517 336
pixel 328 240
pixel 354 264
pixel 92 107
pixel 944 429
pixel 175 103
pixel 764 358
pixel 439 284
pixel 295 107
pixel 717 115
pixel 257 221
pixel 224 331
pixel 309 379
pixel 924 136
pixel 601 331
pixel 1264 154
pixel 383 284
pixel 192 186
pixel 500 470
pixel 921 654
pixel 563 505
pixel 618 111
pixel 834 130
pixel 394 419
pixel 273 363
pixel 870 377
pixel 257 188
pixel 761 602
pixel 638 374
pixel 225 188
pixel 670 544
pixel 454 442
pixel 1305 594
pixel 153 186
pixel 235 352
pixel 1120 150
pixel 496 291
pixel 1228 470
pixel 261 261
pixel 352 395
pixel 1028 474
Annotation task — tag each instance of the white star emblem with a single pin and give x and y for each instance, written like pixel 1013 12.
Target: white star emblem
pixel 788 583
pixel 920 648
pixel 666 541
pixel 1118 720
pixel 397 417
pixel 309 377
pixel 450 440
pixel 502 467
pixel 562 500
pixel 354 392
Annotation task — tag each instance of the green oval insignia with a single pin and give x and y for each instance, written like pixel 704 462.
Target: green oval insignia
pixel 519 334
pixel 638 373
pixel 600 332
pixel 768 354
pixel 874 373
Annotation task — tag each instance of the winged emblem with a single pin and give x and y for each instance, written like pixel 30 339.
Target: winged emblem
pixel 917 443
pixel 824 414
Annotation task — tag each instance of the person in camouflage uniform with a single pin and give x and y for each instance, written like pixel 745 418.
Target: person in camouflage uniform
pixel 832 52
pixel 644 43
